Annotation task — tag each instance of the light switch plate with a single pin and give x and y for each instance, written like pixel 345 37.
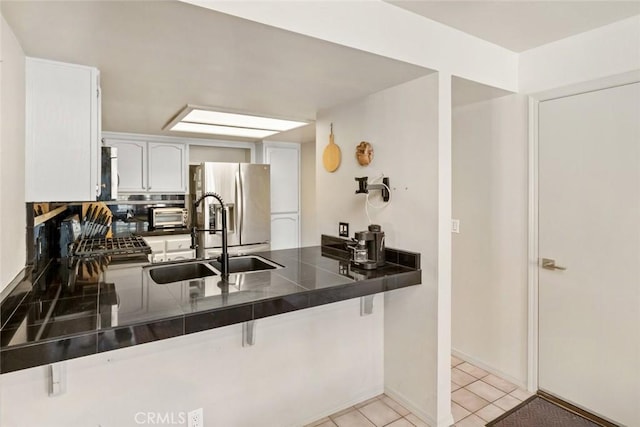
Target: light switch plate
pixel 455 226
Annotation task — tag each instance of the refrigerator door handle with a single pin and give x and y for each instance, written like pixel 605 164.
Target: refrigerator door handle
pixel 240 203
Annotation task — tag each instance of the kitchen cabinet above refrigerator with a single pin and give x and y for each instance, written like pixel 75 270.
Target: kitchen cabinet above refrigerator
pixel 63 119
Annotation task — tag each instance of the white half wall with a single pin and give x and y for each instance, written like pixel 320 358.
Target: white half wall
pixel 610 50
pixel 402 125
pixel 12 205
pixel 304 365
pixel 489 299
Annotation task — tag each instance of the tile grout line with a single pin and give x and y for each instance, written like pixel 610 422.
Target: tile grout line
pixel 381 401
pixel 365 417
pixel 379 398
pixel 491 402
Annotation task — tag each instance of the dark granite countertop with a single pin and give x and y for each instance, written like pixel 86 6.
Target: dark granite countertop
pixel 106 306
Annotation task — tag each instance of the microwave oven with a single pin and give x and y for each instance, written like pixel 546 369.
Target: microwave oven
pixel 160 218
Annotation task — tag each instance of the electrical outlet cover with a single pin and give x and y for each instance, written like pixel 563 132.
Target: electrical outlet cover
pixel 195 418
pixel 343 229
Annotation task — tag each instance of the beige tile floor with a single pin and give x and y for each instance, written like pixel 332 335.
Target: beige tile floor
pixel 476 398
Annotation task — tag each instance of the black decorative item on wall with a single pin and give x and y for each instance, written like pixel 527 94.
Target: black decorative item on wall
pixel 364 187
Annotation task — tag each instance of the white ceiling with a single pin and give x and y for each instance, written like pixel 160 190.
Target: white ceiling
pixel 520 25
pixel 157 56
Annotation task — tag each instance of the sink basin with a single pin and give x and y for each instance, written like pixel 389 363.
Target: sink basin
pixel 197 269
pixel 247 264
pixel 178 272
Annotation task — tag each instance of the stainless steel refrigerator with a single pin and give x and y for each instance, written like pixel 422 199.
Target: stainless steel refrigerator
pixel 244 188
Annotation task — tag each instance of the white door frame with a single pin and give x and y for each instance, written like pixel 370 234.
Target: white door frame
pixel 533 255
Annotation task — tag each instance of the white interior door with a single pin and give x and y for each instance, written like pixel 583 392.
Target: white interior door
pixel 589 223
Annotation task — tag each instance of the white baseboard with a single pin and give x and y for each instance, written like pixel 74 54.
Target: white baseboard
pixel 492 370
pixel 361 397
pixel 407 403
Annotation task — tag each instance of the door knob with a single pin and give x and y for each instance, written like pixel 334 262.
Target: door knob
pixel 550 264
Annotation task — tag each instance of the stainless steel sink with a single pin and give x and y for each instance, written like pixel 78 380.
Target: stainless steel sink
pixel 189 270
pixel 247 264
pixel 178 272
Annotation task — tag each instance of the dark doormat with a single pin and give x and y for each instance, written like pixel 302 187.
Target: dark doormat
pixel 539 412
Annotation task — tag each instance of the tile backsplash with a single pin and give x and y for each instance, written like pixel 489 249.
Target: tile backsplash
pixel 339 247
pixel 42 239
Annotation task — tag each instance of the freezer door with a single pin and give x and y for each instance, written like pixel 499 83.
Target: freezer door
pixel 254 204
pixel 221 178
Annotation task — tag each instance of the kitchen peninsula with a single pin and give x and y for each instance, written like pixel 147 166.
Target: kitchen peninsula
pixel 55 318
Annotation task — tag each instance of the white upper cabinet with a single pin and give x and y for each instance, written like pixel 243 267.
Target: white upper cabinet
pixel 62 149
pixel 145 166
pixel 167 167
pixel 132 165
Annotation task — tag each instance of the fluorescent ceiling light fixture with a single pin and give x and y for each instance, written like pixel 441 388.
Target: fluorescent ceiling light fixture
pixel 222 130
pixel 206 120
pixel 240 120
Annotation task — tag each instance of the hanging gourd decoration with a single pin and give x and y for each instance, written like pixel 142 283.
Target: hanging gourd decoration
pixel 364 153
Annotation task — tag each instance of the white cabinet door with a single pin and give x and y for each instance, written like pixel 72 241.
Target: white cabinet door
pixel 165 248
pixel 150 166
pixel 154 258
pixel 62 147
pixel 285 231
pixel 285 177
pixel 180 256
pixel 167 164
pixel 132 165
pixel 156 243
pixel 178 243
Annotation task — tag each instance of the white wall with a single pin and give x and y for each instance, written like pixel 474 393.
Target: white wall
pixel 489 289
pixel 309 235
pixel 304 365
pixel 12 205
pixel 204 153
pixel 606 51
pixel 402 125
